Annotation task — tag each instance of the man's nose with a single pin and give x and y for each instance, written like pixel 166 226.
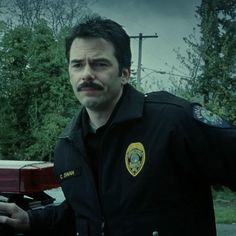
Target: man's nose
pixel 88 73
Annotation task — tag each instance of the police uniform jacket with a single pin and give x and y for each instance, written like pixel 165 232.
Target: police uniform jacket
pixel 158 158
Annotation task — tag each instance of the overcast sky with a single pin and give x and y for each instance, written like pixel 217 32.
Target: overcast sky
pixel 170 19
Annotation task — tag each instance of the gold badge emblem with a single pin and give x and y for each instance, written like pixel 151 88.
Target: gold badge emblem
pixel 135 158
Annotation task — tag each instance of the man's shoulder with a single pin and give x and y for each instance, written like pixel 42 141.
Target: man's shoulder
pixel 166 98
pixel 193 110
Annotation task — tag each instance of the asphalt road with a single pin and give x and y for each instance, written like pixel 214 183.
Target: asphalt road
pixel 222 229
pixel 226 230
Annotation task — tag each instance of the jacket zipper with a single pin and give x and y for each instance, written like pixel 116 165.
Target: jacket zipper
pixel 100 192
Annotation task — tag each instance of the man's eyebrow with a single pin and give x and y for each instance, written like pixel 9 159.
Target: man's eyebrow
pixel 101 60
pixel 76 61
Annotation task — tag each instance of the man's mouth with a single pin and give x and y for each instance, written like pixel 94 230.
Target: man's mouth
pixel 89 86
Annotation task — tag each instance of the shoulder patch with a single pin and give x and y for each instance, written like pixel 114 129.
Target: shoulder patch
pixel 209 118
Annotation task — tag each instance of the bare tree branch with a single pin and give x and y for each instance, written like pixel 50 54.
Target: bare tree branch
pixel 58 14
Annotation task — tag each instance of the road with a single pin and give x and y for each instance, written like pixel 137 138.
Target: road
pixel 226 230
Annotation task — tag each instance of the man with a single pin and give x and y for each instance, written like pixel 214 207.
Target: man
pixel 130 164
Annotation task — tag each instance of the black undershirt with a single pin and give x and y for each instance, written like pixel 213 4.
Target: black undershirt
pixel 93 141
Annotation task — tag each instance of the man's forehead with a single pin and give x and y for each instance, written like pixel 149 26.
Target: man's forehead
pixel 92 44
pixel 93 56
pixel 94 48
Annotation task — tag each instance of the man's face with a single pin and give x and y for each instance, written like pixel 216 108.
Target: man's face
pixel 94 73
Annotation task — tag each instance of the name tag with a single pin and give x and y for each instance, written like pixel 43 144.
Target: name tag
pixel 69 173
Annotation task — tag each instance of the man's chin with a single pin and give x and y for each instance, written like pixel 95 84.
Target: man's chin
pixel 91 103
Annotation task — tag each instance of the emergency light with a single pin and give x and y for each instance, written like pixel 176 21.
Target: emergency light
pixel 26 176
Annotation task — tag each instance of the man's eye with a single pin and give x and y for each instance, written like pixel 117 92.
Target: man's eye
pixel 100 64
pixel 77 65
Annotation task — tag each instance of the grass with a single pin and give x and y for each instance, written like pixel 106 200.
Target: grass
pixel 225 206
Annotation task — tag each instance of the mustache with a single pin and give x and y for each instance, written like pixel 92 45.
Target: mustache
pixel 89 85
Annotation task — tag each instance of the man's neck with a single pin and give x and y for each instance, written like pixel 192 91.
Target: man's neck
pixel 98 118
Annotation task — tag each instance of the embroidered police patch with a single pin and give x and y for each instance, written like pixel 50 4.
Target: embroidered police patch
pixel 135 158
pixel 207 117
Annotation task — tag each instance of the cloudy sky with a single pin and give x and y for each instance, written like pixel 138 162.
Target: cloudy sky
pixel 171 20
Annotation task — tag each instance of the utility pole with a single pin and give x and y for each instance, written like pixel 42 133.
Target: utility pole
pixel 141 37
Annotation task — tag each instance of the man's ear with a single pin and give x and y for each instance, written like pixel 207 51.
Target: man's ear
pixel 125 76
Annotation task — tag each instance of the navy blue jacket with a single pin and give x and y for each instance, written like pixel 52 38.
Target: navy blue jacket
pixel 159 157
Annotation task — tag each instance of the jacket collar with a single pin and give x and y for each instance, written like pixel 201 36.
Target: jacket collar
pixel 130 107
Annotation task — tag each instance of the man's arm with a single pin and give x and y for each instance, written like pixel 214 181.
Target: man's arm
pixel 50 220
pixel 14 216
pixel 207 143
pixel 58 220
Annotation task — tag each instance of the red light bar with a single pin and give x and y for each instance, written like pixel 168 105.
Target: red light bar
pixel 26 176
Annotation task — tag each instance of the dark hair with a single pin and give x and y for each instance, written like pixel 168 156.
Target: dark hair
pixel 107 29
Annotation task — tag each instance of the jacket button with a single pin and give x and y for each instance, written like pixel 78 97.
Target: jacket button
pixel 155 233
pixel 102 225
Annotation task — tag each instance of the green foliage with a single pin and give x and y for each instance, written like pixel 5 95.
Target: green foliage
pixel 211 60
pixel 225 206
pixel 133 80
pixel 218 81
pixel 44 135
pixel 13 57
pixel 35 94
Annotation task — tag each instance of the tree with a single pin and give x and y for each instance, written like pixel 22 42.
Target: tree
pixel 218 42
pixel 215 52
pixel 52 102
pixel 63 13
pixel 13 57
pixel 190 67
pixel 35 94
pixel 57 14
